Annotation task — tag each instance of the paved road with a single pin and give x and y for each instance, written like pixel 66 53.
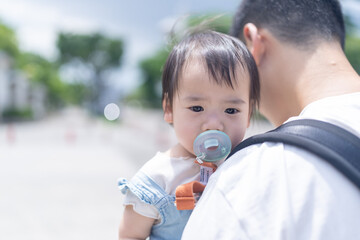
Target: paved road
pixel 58 176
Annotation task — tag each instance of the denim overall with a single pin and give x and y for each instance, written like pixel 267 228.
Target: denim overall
pixel 173 221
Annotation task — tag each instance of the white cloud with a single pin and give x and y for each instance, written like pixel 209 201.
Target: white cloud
pixel 37 25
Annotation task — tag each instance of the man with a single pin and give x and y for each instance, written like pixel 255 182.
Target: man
pixel 272 190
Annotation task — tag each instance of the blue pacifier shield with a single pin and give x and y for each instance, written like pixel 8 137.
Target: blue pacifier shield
pixel 212 146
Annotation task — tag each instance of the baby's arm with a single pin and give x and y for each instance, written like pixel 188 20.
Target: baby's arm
pixel 134 225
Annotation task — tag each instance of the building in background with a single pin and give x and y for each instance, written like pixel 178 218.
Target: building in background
pixel 19 98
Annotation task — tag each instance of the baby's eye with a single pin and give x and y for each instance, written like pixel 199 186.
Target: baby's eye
pixel 196 108
pixel 231 111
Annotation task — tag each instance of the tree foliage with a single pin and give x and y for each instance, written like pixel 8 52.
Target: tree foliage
pixel 96 50
pixel 149 92
pixel 37 69
pixel 43 72
pixel 97 53
pixel 352 51
pixel 8 41
pixel 352 44
pixel 217 22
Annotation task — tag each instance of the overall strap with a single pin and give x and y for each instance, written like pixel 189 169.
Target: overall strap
pixel 334 144
pixel 186 195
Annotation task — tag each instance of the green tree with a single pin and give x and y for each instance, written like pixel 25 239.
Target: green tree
pixel 216 22
pixel 95 52
pixel 36 68
pixel 8 41
pixel 352 51
pixel 41 71
pixel 149 92
pixel 352 44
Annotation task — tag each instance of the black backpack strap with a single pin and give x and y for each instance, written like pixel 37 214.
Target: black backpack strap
pixel 334 144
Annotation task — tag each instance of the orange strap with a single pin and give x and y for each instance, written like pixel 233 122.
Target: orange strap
pixel 184 193
pixel 207 164
pixel 185 199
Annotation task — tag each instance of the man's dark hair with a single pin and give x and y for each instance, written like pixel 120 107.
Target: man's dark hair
pixel 222 56
pixel 300 22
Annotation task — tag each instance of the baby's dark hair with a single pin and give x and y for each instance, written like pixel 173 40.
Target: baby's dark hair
pixel 220 53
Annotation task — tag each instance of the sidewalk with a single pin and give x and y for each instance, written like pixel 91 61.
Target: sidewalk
pixel 58 176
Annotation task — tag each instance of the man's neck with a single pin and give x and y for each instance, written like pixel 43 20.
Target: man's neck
pixel 311 76
pixel 328 73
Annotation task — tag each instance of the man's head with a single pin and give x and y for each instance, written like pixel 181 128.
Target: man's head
pixel 296 45
pixel 300 22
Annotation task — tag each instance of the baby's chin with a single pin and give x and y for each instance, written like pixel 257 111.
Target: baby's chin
pixel 180 151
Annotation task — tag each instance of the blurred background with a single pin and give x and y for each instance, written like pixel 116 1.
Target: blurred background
pixel 80 98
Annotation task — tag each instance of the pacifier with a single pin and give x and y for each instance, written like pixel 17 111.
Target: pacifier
pixel 212 146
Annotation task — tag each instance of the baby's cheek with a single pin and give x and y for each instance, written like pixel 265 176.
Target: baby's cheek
pixel 236 140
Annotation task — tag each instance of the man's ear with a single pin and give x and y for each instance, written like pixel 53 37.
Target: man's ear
pixel 168 116
pixel 254 41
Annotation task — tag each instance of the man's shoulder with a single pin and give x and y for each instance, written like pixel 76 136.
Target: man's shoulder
pixel 278 183
pixel 342 110
pixel 274 165
pixel 268 156
pixel 277 172
pixel 266 153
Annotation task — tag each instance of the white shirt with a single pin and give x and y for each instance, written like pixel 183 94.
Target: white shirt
pixel 276 191
pixel 168 173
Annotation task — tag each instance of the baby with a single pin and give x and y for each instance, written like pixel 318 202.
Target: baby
pixel 210 82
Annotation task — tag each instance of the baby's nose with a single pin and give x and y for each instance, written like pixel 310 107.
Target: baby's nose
pixel 213 122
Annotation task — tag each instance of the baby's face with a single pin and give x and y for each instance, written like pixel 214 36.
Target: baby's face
pixel 200 104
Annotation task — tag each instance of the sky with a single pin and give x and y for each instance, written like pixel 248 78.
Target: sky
pixel 142 24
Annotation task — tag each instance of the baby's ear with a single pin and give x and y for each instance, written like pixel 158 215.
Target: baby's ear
pixel 168 116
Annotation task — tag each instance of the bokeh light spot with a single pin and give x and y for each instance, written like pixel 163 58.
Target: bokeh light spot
pixel 111 111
